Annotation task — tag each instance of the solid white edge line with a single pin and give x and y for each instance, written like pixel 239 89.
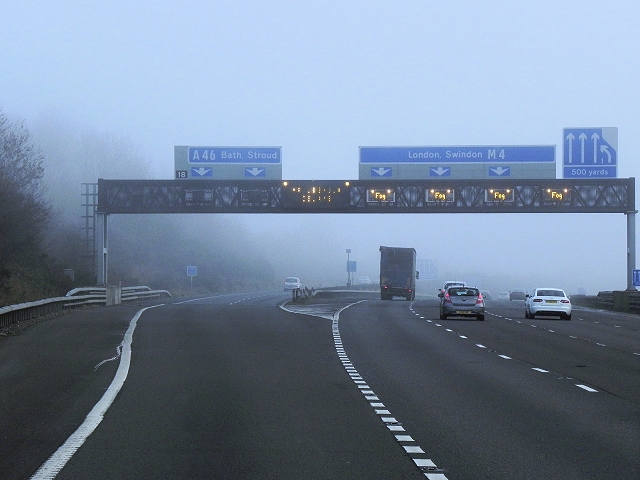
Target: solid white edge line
pixel 60 457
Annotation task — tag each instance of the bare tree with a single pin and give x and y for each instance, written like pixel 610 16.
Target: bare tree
pixel 23 213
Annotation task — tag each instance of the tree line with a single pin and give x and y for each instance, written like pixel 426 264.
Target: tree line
pixel 42 169
pixel 26 271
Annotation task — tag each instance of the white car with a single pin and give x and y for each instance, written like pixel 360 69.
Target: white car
pixel 292 283
pixel 450 283
pixel 547 301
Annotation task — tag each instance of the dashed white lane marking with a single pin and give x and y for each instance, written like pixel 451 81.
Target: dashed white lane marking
pixel 59 459
pixel 415 452
pixel 479 345
pixel 584 387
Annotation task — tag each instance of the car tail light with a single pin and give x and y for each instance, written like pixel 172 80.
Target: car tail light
pixel 537 300
pixel 480 300
pixel 565 301
pixel 447 298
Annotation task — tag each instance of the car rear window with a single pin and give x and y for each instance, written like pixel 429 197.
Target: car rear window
pixel 462 291
pixel 550 293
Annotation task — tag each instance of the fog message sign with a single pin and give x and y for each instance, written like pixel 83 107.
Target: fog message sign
pixel 457 162
pixel 228 163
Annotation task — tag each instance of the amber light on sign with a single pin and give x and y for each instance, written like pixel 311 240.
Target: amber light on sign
pixel 558 195
pixel 440 195
pixel 499 195
pixel 381 195
pixel 314 194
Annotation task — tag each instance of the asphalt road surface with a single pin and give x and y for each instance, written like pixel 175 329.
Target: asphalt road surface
pixel 347 386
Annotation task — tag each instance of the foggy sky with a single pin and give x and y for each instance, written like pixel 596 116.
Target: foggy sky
pixel 321 79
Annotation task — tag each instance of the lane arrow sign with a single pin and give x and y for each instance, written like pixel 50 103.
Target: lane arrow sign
pixel 500 171
pixel 381 172
pixel 255 172
pixel 440 172
pixel 202 172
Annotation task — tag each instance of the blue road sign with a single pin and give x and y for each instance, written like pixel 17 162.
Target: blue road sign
pixel 499 171
pixel 200 172
pixel 381 172
pixel 590 152
pixel 192 271
pixel 440 172
pixel 255 172
pixel 351 266
pixel 636 278
pixel 211 155
pixel 472 154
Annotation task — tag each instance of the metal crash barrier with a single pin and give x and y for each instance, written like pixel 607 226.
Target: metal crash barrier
pixel 78 297
pixel 300 294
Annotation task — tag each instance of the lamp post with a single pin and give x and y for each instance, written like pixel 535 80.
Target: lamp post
pixel 348 271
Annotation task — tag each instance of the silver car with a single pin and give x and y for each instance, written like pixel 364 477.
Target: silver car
pixel 461 301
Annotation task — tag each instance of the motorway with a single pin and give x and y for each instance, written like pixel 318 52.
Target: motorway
pixel 240 386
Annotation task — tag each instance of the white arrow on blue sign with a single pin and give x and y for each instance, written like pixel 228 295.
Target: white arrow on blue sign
pixel 590 152
pixel 201 172
pixel 255 172
pixel 381 172
pixel 499 171
pixel 440 172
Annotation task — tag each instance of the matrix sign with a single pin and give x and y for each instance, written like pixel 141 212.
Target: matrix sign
pixel 498 195
pixel 383 195
pixel 440 195
pixel 557 195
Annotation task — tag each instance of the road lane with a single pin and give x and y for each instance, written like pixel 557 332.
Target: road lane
pixel 233 387
pixel 481 415
pixel 240 390
pixel 600 354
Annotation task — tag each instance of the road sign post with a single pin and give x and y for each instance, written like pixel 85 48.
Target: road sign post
pixel 192 271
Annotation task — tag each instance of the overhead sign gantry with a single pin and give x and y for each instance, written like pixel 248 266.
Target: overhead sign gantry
pixel 358 196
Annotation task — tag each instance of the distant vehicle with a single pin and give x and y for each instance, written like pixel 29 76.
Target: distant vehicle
pixel 461 301
pixel 450 283
pixel 547 301
pixel 398 273
pixel 503 296
pixel 292 283
pixel 364 282
pixel 517 294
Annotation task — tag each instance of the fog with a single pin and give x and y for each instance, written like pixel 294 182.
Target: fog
pixel 108 90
